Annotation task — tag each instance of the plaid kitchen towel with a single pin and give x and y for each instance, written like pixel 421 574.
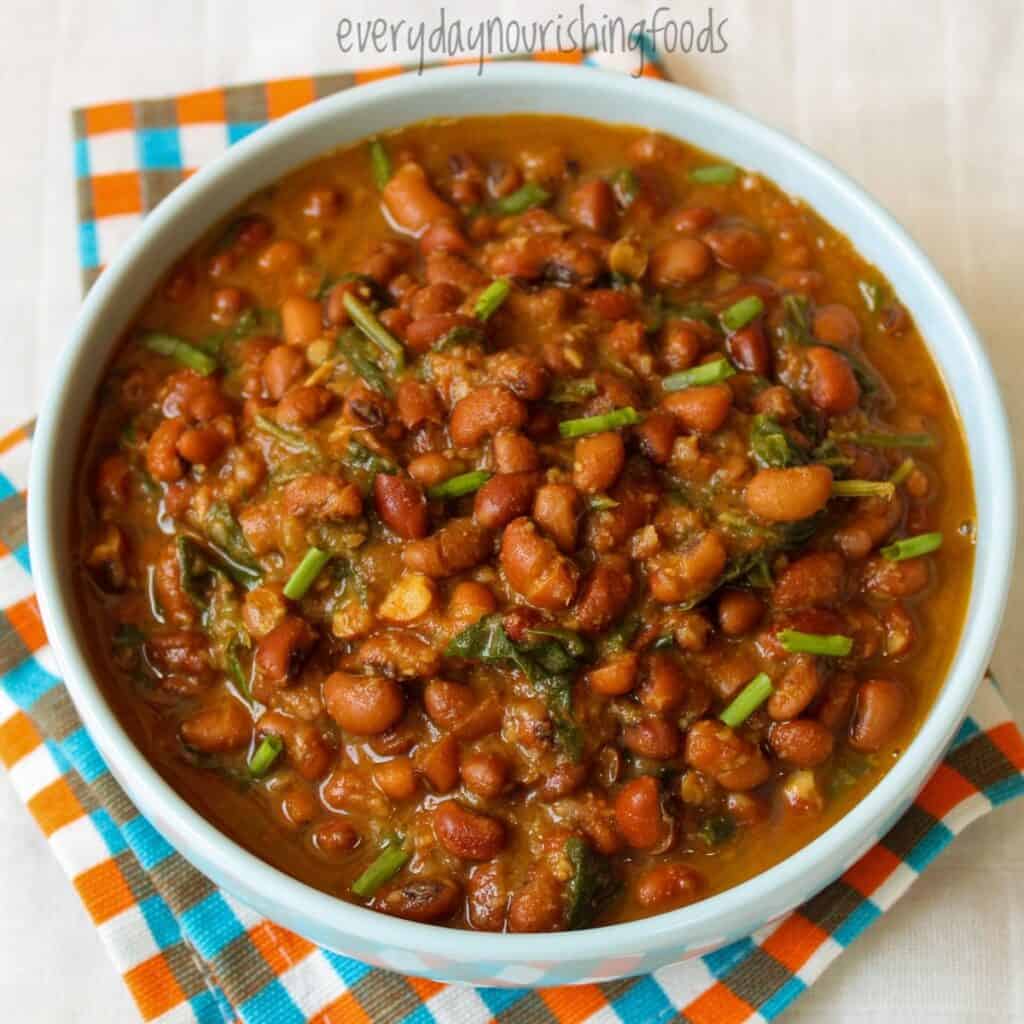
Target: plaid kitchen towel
pixel 189 952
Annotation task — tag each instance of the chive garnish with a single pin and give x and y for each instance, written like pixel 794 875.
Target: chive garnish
pixel 364 318
pixel 524 198
pixel 831 645
pixel 877 439
pixel 491 298
pixel 308 569
pixel 912 547
pixel 626 186
pixel 713 372
pixel 739 314
pixel 391 859
pixel 903 470
pixel 457 486
pixel 714 174
pixel 380 164
pixel 624 417
pixel 265 755
pixel 289 438
pixel 863 489
pixel 180 351
pixel 747 701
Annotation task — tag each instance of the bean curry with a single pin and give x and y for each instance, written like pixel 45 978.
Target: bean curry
pixel 523 524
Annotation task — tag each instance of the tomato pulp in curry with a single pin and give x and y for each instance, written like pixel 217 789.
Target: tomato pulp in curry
pixel 523 523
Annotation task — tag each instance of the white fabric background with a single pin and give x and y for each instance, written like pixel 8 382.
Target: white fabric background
pixel 923 103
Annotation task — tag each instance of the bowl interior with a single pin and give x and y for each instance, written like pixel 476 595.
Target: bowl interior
pixel 508 88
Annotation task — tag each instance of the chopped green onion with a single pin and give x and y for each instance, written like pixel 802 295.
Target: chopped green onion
pixel 739 314
pixel 624 417
pixel 457 486
pixel 360 457
pixel 491 298
pixel 384 867
pixel 863 489
pixel 460 334
pixel 748 700
pixel 912 547
pixel 289 438
pixel 601 502
pixel 380 164
pixel 714 174
pixel 308 569
pixel 524 198
pixel 265 755
pixel 181 351
pixel 364 318
pixel 881 440
pixel 576 389
pixel 831 645
pixel 713 372
pixel 352 346
pixel 903 470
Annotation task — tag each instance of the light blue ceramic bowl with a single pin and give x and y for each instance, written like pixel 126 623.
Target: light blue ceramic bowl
pixel 505 88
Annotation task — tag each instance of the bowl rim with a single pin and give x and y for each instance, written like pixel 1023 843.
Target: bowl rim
pixel 699 923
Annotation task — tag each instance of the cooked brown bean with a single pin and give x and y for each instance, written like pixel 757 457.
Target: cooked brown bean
pixel 396 778
pixel 321 497
pixel 556 509
pixel 162 459
pixel 363 705
pixel 803 742
pixel 592 206
pixel 739 611
pixel 417 403
pixel 412 202
pixel 678 575
pixel 304 745
pixel 837 325
pixel 666 686
pixel 218 728
pixel 427 900
pixel 786 495
pixel 181 652
pixel 669 885
pixel 597 462
pixel 652 737
pixel 282 652
pixel 749 350
pixel 702 409
pixel 401 505
pixel 638 815
pixel 886 579
pixel 283 367
pixel 834 388
pixel 514 453
pixel 799 685
pixel 679 261
pixel 603 596
pixel 466 834
pixel 485 774
pixel 398 653
pixel 458 545
pixel 737 247
pixel 538 906
pixel 487 897
pixel 656 435
pixel 535 568
pixel 616 675
pixel 814 579
pixel 714 748
pixel 300 320
pixel 303 406
pixel 503 498
pixel 484 412
pixel 877 710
